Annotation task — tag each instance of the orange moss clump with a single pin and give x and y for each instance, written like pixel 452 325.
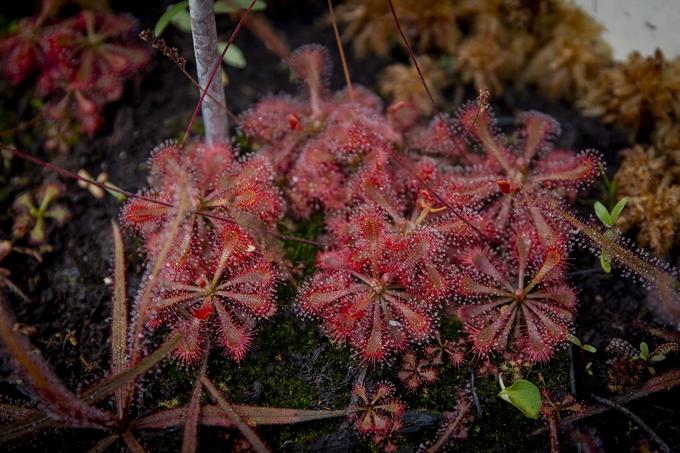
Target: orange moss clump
pixel 371 26
pixel 401 83
pixel 549 43
pixel 635 94
pixel 572 56
pixel 651 180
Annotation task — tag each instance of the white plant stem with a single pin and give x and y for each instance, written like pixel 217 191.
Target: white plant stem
pixel 204 35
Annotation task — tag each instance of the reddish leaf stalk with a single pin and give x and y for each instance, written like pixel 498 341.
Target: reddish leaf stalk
pixel 119 333
pixel 234 417
pixel 341 51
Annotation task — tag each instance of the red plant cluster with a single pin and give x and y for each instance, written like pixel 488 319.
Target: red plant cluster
pixel 514 179
pixel 325 145
pixel 216 282
pixel 220 296
pixel 417 217
pixel 380 289
pixel 78 65
pixel 416 372
pixel 409 237
pixel 218 187
pixel 376 412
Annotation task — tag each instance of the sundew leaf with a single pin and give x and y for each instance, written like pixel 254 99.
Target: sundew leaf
pixel 49 388
pixel 233 416
pixel 190 437
pixel 116 381
pixel 212 415
pixel 168 15
pixel 119 332
pixel 524 396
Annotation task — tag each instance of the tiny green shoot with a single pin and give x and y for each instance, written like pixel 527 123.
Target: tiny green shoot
pixel 589 368
pixel 646 356
pixel 522 394
pixel 609 219
pixel 585 347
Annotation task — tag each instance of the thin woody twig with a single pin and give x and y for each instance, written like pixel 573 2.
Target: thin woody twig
pixel 644 426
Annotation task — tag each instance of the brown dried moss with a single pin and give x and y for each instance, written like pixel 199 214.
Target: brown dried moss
pixel 370 25
pixel 492 54
pixel 401 82
pixel 636 95
pixel 547 42
pixel 571 56
pixel 651 180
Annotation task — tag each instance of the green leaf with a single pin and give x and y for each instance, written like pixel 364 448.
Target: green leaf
pixel 602 214
pixel 589 368
pixel 182 20
pixel 233 6
pixel 234 57
pixel 169 13
pixel 658 358
pixel 644 351
pixel 605 261
pixel 616 210
pixel 524 396
pixel 574 340
pixel 589 348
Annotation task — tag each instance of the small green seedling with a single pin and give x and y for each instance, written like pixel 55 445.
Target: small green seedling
pixel 32 210
pixel 589 368
pixel 585 347
pixel 651 358
pixel 609 219
pixel 524 395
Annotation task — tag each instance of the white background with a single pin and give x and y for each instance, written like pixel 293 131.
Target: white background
pixel 640 25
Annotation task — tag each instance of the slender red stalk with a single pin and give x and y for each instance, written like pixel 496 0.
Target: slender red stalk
pixel 412 55
pixel 341 51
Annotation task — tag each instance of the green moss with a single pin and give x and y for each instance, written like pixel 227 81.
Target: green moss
pixel 303 256
pixel 243 145
pixel 291 366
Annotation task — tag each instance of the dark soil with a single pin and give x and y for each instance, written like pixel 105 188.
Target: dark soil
pixel 291 364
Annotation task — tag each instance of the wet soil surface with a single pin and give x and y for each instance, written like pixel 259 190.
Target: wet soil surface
pixel 291 364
